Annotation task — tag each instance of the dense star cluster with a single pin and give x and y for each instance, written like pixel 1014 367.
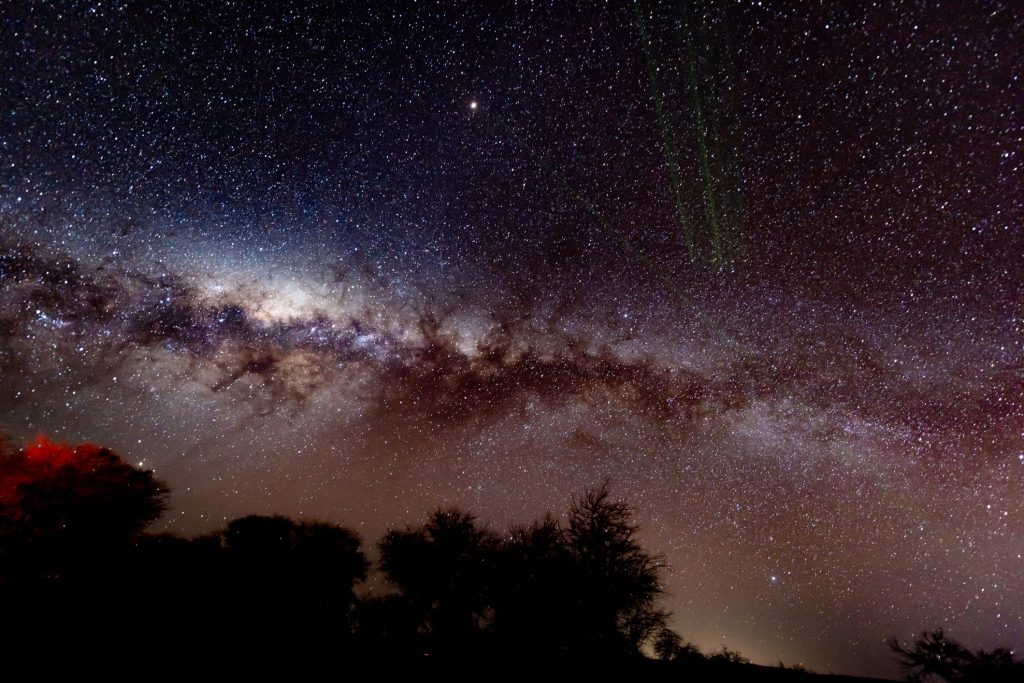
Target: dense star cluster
pixel 759 264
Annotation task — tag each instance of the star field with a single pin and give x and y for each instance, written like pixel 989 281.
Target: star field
pixel 756 263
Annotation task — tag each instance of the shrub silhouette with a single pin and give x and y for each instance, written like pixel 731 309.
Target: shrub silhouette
pixel 726 655
pixel 935 657
pixel 670 647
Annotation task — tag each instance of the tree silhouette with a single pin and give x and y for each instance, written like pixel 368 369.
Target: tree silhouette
pixel 534 600
pixel 331 562
pixel 587 589
pixel 64 507
pixel 69 517
pixel 297 573
pixel 616 581
pixel 445 570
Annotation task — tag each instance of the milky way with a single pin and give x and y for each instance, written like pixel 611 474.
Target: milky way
pixel 757 264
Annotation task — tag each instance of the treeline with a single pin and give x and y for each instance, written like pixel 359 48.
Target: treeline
pixel 74 552
pixel 78 570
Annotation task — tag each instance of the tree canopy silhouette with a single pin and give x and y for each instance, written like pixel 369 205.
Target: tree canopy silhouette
pixel 298 572
pixel 616 582
pixel 536 607
pixel 444 569
pixel 60 504
pixel 585 589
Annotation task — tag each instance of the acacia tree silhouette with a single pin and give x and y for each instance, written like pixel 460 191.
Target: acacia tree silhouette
pixel 69 516
pixel 534 606
pixel 445 572
pixel 64 508
pixel 615 581
pixel 290 579
pixel 587 589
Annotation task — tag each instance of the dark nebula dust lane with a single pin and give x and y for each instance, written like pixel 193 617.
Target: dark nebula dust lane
pixel 757 264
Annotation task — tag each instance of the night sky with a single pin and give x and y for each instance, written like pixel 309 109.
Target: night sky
pixel 757 263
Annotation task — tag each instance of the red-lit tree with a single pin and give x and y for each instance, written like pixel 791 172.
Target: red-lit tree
pixel 61 504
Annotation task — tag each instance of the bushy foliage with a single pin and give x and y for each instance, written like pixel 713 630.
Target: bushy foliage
pixel 933 656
